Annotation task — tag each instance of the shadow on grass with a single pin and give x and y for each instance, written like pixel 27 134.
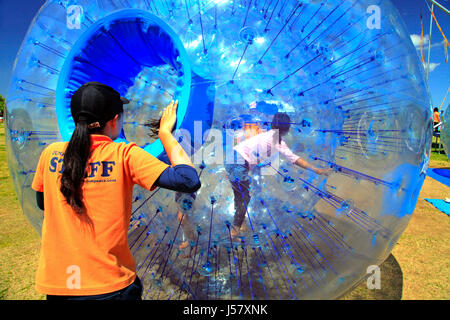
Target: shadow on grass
pixel 391 284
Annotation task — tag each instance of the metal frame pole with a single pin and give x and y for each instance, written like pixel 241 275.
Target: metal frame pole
pixel 429 41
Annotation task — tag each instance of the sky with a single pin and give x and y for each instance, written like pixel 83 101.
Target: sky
pixel 16 16
pixel 439 78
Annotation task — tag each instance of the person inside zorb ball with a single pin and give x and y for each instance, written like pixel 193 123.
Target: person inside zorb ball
pixel 308 125
pixel 255 151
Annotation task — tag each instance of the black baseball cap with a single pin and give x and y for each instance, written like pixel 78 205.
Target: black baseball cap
pixel 96 102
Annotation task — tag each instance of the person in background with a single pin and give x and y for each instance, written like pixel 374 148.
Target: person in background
pixel 436 119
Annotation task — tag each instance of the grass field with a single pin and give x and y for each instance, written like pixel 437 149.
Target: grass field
pixel 19 241
pixel 418 267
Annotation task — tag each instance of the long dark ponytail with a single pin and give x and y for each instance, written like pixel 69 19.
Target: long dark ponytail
pixel 76 157
pixel 92 106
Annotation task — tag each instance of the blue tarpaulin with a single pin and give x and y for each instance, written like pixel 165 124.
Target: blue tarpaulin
pixel 441 175
pixel 441 205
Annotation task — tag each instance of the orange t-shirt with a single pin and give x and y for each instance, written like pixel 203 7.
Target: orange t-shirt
pixel 436 117
pixel 89 254
pixel 251 130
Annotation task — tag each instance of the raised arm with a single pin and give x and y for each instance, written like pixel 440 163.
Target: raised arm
pixel 182 176
pixel 175 152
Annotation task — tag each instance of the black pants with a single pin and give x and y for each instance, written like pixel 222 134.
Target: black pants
pixel 132 292
pixel 436 129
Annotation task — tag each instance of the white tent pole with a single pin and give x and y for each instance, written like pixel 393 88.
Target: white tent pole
pixel 440 6
pixel 429 40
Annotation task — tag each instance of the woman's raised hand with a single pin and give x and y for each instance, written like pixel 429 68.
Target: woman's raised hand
pixel 174 150
pixel 169 118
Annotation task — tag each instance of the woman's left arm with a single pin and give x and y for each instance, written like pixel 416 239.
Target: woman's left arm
pixel 284 149
pixel 181 178
pixel 305 165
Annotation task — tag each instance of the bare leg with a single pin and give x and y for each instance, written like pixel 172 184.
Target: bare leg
pixel 186 225
pixel 244 227
pixel 234 232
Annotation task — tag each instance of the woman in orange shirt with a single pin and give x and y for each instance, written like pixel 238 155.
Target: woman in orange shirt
pixel 85 188
pixel 436 119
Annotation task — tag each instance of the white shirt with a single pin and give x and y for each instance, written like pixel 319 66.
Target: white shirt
pixel 259 148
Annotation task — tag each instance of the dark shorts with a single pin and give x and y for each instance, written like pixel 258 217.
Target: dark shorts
pixel 436 129
pixel 132 292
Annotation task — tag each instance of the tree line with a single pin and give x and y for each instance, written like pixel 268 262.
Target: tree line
pixel 2 105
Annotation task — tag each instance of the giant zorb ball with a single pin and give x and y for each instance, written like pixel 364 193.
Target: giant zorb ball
pixel 345 72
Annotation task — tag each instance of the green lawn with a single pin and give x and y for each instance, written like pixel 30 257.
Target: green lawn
pixel 438 159
pixel 19 242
